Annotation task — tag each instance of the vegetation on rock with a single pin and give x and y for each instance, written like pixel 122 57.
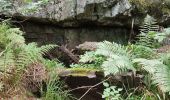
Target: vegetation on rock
pixel 25 71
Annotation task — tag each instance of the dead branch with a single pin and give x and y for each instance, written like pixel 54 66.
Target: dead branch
pixel 69 53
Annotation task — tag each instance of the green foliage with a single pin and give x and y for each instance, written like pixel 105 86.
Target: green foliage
pixel 141 5
pixel 161 36
pixel 36 53
pixel 52 64
pixel 118 58
pixel 28 6
pixel 111 92
pixel 11 41
pixel 157 66
pixel 90 60
pixel 112 58
pixel 150 6
pixel 16 56
pixel 148 40
pixel 31 7
pixel 5 6
pixel 55 89
pixel 140 51
pixel 148 32
pixel 149 25
pixel 10 36
pixel 159 69
pixel 150 36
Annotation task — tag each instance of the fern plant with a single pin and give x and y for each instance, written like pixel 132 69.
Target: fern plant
pixel 112 58
pixel 5 6
pixel 15 55
pixel 111 92
pixel 159 69
pixel 90 60
pixel 140 51
pixel 55 89
pixel 149 25
pixel 118 58
pixel 147 32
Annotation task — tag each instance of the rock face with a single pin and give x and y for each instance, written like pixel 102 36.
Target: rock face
pixel 75 21
pixel 75 12
pixel 45 34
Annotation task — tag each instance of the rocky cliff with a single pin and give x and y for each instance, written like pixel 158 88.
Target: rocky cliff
pixel 73 13
pixel 73 22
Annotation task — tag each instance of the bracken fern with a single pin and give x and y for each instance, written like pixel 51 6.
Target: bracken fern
pixel 118 58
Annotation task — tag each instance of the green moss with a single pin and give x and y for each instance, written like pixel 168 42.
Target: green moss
pixel 80 72
pixel 150 6
pixel 141 5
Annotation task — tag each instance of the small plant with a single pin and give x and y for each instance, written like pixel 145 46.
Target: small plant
pixel 21 63
pixel 140 51
pixel 118 59
pixel 148 32
pixel 111 92
pixel 55 89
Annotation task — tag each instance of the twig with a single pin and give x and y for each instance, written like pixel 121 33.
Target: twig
pixel 93 87
pixel 82 87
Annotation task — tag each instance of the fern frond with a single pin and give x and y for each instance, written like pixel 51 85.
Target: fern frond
pixel 139 51
pixel 7 60
pixel 118 65
pixel 33 52
pixel 161 77
pixel 87 57
pixel 15 38
pixel 149 25
pixel 118 58
pixel 148 65
pixel 148 33
pixel 107 49
pixel 159 71
pixel 46 48
pixel 22 60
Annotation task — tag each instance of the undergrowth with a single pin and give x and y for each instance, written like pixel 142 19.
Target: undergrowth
pixel 116 59
pixel 23 66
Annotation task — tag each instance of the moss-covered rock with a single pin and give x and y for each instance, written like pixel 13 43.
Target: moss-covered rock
pixel 79 72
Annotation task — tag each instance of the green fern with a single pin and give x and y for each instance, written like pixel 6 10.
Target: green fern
pixel 15 54
pixel 90 60
pixel 150 24
pixel 147 33
pixel 118 58
pixel 6 60
pixel 159 70
pixel 140 51
pixel 87 57
pixel 46 48
pixel 162 37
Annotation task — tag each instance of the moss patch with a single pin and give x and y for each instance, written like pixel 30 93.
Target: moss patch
pixel 150 6
pixel 79 72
